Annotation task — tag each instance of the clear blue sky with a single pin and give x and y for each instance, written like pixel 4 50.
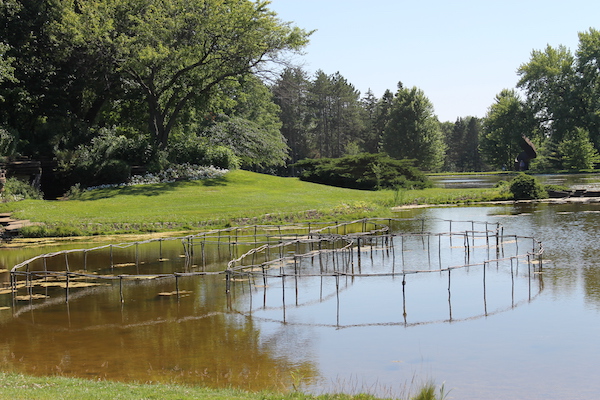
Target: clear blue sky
pixel 461 53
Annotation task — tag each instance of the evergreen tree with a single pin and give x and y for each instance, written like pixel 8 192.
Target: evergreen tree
pixel 372 135
pixel 336 115
pixel 576 150
pixel 472 160
pixel 455 141
pixel 290 93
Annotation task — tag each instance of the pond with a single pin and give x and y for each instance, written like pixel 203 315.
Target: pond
pixel 459 181
pixel 505 330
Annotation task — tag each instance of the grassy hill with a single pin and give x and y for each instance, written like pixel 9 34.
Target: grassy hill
pixel 238 197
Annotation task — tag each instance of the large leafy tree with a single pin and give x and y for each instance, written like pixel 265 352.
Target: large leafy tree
pixel 506 121
pixel 176 53
pixel 413 131
pixel 24 30
pixel 6 68
pixel 549 80
pixel 588 85
pixel 250 126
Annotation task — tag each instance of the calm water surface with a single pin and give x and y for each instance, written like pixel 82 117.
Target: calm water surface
pixel 508 334
pixel 575 181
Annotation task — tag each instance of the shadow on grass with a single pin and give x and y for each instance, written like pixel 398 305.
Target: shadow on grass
pixel 150 190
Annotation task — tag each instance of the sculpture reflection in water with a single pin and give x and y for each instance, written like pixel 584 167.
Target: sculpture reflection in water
pixel 387 276
pixel 365 272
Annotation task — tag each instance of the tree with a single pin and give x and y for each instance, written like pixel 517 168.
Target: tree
pixel 179 52
pixel 455 141
pixel 376 115
pixel 335 111
pixel 549 81
pixel 371 138
pixel 576 151
pixel 588 84
pixel 506 121
pixel 290 94
pixel 255 146
pixel 413 131
pixel 6 69
pixel 25 29
pixel 471 155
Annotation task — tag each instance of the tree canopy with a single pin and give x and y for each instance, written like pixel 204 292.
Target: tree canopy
pixel 177 52
pixel 412 130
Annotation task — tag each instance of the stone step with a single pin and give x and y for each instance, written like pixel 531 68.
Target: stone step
pixel 6 220
pixel 16 225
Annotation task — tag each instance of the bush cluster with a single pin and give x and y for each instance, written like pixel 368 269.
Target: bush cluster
pixel 174 173
pixel 526 187
pixel 15 190
pixel 196 150
pixel 364 171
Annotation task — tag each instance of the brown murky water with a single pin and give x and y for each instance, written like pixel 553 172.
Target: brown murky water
pixel 501 331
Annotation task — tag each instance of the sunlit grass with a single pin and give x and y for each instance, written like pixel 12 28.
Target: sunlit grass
pixel 237 198
pixel 17 386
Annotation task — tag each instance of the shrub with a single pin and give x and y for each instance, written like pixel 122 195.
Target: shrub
pixel 106 159
pixel 15 189
pixel 524 187
pixel 195 150
pixel 363 171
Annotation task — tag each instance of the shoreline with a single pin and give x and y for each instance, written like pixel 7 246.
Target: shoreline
pixel 562 200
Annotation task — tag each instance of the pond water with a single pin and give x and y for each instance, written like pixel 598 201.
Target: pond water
pixel 458 181
pixel 505 330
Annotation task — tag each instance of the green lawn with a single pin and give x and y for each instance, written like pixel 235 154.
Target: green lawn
pixel 16 386
pixel 237 198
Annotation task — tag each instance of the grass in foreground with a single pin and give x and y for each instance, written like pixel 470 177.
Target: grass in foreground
pixel 16 386
pixel 240 197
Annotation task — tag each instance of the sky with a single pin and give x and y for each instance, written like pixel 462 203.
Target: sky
pixel 461 53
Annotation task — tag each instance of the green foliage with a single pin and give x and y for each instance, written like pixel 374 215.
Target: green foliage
pixel 15 189
pixel 462 145
pixel 576 151
pixel 563 92
pixel 106 159
pixel 178 53
pixel 195 150
pixel 334 113
pixel 290 94
pixel 428 392
pixel 252 144
pixel 6 68
pixel 504 124
pixel 413 131
pixel 549 81
pixel 363 171
pixel 73 193
pixel 526 187
pixel 8 143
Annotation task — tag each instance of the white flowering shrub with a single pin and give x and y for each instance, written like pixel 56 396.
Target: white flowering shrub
pixel 179 172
